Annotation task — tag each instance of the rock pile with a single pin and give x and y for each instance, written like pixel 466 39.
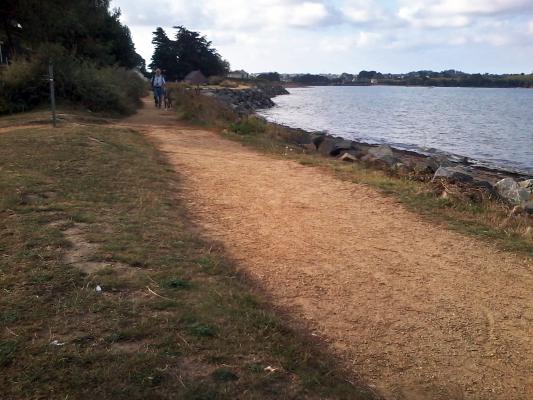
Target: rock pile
pixel 246 101
pixel 444 172
pixel 242 101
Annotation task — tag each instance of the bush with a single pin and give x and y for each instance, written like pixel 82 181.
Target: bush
pixel 101 89
pixel 198 108
pixel 249 126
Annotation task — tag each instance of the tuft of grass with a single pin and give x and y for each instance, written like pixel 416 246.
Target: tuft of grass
pixel 248 126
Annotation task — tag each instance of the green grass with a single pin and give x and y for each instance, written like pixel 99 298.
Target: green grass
pixel 488 220
pixel 176 321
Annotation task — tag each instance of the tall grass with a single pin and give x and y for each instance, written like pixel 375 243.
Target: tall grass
pixel 200 109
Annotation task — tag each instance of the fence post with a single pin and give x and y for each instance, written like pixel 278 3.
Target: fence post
pixel 52 91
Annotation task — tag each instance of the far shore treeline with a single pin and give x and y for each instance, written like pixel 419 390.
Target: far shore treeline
pixel 448 78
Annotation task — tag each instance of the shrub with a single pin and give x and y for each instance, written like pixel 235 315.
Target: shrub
pixel 198 108
pixel 102 89
pixel 248 126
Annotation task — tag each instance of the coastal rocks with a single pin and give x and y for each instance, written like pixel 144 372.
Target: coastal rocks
pixel 453 175
pixel 381 151
pixel 272 89
pixel 331 146
pixel 513 192
pixel 242 101
pixel 381 157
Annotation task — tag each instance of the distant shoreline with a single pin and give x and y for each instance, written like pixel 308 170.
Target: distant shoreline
pixel 290 85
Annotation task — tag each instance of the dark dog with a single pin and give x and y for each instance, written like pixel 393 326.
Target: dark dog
pixel 168 99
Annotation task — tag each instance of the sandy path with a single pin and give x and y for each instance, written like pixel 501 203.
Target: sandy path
pixel 416 310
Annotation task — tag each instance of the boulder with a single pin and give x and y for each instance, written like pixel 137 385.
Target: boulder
pixel 340 146
pixel 381 151
pixel 508 189
pixel 424 167
pixel 327 145
pixel 527 184
pixel 528 207
pixel 453 174
pixel 317 140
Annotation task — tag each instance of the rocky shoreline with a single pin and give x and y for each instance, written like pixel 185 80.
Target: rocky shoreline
pixel 247 101
pixel 510 187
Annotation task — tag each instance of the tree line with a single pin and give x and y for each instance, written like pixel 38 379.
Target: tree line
pixel 91 50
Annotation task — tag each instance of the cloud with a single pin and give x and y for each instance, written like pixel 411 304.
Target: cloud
pixel 362 11
pixel 458 13
pixel 347 43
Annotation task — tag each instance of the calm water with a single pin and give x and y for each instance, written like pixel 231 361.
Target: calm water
pixel 493 127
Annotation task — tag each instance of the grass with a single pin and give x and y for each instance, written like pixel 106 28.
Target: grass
pixel 175 321
pixel 488 220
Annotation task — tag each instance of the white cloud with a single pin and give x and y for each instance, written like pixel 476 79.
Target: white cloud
pixel 347 43
pixel 362 11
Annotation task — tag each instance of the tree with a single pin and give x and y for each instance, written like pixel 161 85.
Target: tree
pixel 269 76
pixel 188 52
pixel 86 29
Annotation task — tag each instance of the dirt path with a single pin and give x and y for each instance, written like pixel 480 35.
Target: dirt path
pixel 418 311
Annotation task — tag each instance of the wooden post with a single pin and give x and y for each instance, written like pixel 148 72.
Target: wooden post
pixel 52 92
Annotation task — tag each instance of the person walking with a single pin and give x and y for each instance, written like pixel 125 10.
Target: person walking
pixel 158 86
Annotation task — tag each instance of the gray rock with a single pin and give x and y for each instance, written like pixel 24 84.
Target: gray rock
pixel 327 146
pixel 508 189
pixel 453 174
pixel 527 184
pixel 381 151
pixel 437 161
pixel 525 194
pixel 425 167
pixel 528 207
pixel 340 146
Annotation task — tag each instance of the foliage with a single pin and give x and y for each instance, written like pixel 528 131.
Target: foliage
pixel 269 76
pixel 195 107
pixel 108 89
pixel 248 126
pixel 188 52
pixel 88 46
pixel 310 79
pixel 86 29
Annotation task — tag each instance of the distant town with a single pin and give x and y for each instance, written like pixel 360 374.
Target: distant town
pixel 415 78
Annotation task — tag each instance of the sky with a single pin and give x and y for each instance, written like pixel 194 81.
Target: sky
pixel 335 36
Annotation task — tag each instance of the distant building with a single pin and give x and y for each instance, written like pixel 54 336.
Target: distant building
pixel 373 81
pixel 242 74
